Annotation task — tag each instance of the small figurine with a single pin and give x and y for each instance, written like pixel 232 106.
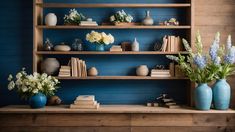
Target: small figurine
pixel 48 46
pixel 171 22
pixel 77 45
pixel 54 100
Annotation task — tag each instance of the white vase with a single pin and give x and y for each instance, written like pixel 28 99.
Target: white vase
pixel 148 21
pixel 142 70
pixel 51 19
pixel 135 45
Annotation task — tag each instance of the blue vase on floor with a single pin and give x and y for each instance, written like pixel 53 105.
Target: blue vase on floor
pixel 203 97
pixel 221 94
pixel 99 47
pixel 38 101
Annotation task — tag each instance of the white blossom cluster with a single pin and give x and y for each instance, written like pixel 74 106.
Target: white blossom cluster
pixel 121 16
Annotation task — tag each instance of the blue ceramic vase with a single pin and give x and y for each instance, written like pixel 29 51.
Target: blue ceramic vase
pixel 221 94
pixel 38 101
pixel 203 97
pixel 99 47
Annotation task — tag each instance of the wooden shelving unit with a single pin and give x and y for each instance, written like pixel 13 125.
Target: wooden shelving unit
pixel 112 27
pixel 122 78
pixel 116 5
pixel 107 53
pixel 39 6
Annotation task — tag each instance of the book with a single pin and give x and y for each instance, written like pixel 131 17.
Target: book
pixel 156 70
pixel 160 76
pixel 86 97
pixel 168 44
pixel 172 44
pixel 74 67
pixel 164 46
pixel 172 69
pixel 85 102
pixel 72 106
pixel 172 106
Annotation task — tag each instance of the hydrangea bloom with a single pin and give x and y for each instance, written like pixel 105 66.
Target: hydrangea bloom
pixel 214 49
pixel 200 61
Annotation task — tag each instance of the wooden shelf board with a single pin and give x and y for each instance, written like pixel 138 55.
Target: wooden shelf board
pixel 111 27
pixel 109 109
pixel 121 78
pixel 107 53
pixel 113 5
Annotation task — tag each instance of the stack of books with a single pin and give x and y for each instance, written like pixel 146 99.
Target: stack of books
pixel 85 102
pixel 160 73
pixel 116 48
pixel 88 23
pixel 172 44
pixel 166 101
pixel 78 67
pixel 65 71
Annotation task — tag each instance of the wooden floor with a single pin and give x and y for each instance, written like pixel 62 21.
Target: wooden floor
pixel 114 119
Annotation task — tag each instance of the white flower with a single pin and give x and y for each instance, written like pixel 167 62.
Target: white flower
pixel 24 89
pixel 35 91
pixel 18 75
pixel 10 77
pixel 11 85
pixel 112 18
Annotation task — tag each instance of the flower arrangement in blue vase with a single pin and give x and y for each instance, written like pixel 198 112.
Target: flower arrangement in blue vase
pixel 222 61
pixel 196 67
pixel 33 87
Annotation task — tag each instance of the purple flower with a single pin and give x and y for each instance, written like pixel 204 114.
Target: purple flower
pixel 230 56
pixel 200 61
pixel 214 49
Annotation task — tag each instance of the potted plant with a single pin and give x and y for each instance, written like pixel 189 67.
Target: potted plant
pixel 100 39
pixel 222 59
pixel 33 87
pixel 121 18
pixel 196 67
pixel 74 18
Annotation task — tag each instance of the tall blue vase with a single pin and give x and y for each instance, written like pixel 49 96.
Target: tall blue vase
pixel 38 101
pixel 221 94
pixel 99 47
pixel 203 97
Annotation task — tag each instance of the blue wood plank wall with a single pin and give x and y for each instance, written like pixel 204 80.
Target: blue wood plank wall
pixel 16 38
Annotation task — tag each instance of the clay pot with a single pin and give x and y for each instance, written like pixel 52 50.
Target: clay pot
pixel 50 66
pixel 62 47
pixel 92 72
pixel 54 100
pixel 142 70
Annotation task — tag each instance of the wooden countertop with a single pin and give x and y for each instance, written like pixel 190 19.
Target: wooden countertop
pixel 105 109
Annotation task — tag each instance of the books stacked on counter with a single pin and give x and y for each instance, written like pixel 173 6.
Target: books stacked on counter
pixel 65 71
pixel 78 67
pixel 85 102
pixel 88 23
pixel 115 48
pixel 172 44
pixel 165 100
pixel 160 73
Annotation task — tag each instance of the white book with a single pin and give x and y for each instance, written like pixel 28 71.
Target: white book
pixel 86 97
pixel 72 106
pixel 85 102
pixel 161 76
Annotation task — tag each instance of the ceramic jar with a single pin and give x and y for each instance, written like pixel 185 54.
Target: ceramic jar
pixel 203 97
pixel 142 70
pixel 62 47
pixel 135 45
pixel 221 94
pixel 37 101
pixel 50 66
pixel 51 19
pixel 148 21
pixel 92 71
pixel 99 47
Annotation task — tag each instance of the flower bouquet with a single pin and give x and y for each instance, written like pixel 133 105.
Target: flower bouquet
pixel 121 18
pixel 222 61
pixel 196 67
pixel 35 87
pixel 100 39
pixel 74 18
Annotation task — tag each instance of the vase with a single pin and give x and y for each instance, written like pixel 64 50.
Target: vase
pixel 77 45
pixel 62 47
pixel 203 97
pixel 51 19
pixel 39 100
pixel 221 94
pixel 135 45
pixel 99 47
pixel 92 72
pixel 142 70
pixel 148 21
pixel 50 66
